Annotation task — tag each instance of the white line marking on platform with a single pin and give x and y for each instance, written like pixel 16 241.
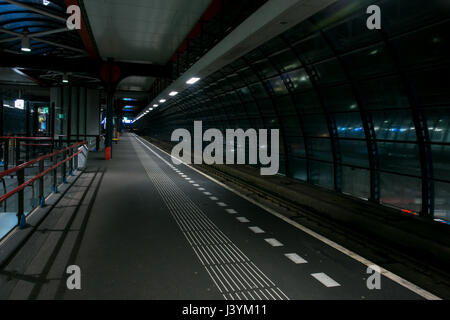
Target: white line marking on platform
pixel 274 242
pixel 231 211
pixel 295 258
pixel 325 280
pixel 207 193
pixel 221 204
pixel 403 282
pixel 196 185
pixel 257 230
pixel 201 189
pixel 214 198
pixel 243 219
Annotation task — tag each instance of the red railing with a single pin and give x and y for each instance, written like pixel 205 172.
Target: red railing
pixel 21 176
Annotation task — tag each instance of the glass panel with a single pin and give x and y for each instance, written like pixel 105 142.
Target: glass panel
pixel 296 146
pixel 354 153
pixel 315 125
pixel 329 72
pixel 425 46
pixel 438 122
pixel 386 93
pixel 441 161
pixel 442 201
pixel 399 157
pixel 401 192
pixel 394 125
pixel 349 125
pixel 320 149
pixel 356 182
pixel 277 86
pixel 264 69
pixel 285 61
pixel 308 102
pixel 313 49
pixel 339 98
pixel 322 174
pixel 299 79
pixel 431 86
pixel 369 62
pixel 297 168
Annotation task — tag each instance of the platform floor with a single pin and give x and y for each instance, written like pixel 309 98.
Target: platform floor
pixel 140 227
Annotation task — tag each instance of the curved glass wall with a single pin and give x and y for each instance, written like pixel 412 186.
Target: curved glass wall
pixel 363 112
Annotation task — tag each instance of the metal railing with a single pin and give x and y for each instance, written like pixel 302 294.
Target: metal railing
pixel 70 162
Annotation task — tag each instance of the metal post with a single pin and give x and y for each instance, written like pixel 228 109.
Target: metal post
pixel 28 129
pixel 55 175
pixel 71 162
pixel 64 168
pixel 97 143
pixel 109 124
pixel 6 154
pixel 17 145
pixel 41 184
pixel 21 220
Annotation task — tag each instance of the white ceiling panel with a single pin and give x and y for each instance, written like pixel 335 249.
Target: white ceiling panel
pixel 142 30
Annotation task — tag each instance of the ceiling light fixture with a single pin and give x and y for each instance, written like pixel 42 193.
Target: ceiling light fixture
pixel 192 80
pixel 155 106
pixel 162 100
pixel 26 46
pixel 65 78
pixel 173 93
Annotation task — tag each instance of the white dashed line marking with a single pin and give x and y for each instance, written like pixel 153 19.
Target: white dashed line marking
pixel 207 193
pixel 257 230
pixel 214 198
pixel 243 219
pixel 196 185
pixel 231 211
pixel 201 189
pixel 295 258
pixel 221 204
pixel 192 182
pixel 274 242
pixel 325 280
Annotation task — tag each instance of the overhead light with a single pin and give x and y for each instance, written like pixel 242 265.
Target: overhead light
pixel 129 99
pixel 65 78
pixel 26 46
pixel 162 100
pixel 192 80
pixel 45 2
pixel 151 109
pixel 19 104
pixel 7 105
pixel 155 106
pixel 173 93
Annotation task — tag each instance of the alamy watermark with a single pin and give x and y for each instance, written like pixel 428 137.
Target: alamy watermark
pixel 260 149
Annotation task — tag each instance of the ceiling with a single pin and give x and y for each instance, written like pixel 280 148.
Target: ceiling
pixel 144 31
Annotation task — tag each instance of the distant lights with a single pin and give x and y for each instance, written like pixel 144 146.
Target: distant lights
pixel 162 100
pixel 65 78
pixel 173 93
pixel 192 80
pixel 45 2
pixel 155 106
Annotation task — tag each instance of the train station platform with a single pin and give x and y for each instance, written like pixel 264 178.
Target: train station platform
pixel 140 227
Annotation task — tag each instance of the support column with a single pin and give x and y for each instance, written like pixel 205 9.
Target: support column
pixel 109 122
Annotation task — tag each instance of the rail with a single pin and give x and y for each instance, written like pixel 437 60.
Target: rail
pixel 68 156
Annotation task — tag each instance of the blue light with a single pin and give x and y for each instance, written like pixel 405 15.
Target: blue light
pixel 129 99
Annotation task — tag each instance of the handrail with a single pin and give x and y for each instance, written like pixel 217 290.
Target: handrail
pixel 43 173
pixel 44 157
